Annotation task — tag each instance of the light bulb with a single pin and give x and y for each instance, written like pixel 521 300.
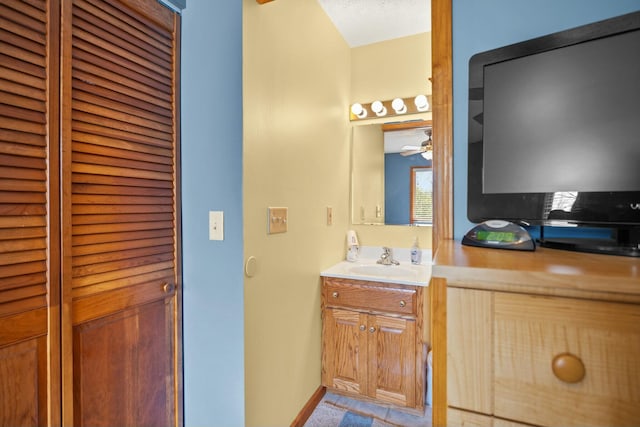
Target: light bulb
pixel 422 104
pixel 398 106
pixel 427 155
pixel 378 108
pixel 358 111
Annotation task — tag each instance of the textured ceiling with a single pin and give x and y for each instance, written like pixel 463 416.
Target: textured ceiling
pixel 363 22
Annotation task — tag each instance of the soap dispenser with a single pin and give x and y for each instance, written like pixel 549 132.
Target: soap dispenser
pixel 352 246
pixel 416 252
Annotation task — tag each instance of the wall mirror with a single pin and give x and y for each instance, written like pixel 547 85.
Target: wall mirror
pixel 391 174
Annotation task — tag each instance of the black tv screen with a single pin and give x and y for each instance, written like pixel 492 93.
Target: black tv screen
pixel 554 128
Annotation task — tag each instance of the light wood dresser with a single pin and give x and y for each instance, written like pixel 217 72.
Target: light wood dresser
pixel 544 338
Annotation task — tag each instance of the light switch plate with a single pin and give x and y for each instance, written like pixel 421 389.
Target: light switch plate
pixel 216 225
pixel 277 219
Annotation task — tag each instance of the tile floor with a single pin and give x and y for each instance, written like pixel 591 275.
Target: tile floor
pixel 383 413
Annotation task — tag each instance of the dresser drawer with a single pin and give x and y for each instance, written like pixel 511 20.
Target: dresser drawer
pixel 366 296
pixel 531 333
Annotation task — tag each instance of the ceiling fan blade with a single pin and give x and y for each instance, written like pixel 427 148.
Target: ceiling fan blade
pixel 411 152
pixel 411 147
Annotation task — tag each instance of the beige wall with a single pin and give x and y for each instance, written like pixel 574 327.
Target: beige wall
pixel 367 175
pixel 390 69
pixel 297 76
pixel 296 154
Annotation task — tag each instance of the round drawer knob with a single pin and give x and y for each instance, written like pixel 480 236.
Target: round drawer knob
pixel 362 327
pixel 335 294
pixel 402 303
pixel 568 367
pixel 372 329
pixel 168 288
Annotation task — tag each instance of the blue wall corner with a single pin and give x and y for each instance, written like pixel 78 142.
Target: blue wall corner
pixel 211 120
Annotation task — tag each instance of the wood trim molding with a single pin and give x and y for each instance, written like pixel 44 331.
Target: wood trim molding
pixel 442 104
pixel 310 406
pixel 263 1
pixel 412 124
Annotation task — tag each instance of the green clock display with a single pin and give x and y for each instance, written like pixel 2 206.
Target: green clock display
pixel 496 236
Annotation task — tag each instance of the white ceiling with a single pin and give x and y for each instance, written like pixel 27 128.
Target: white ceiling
pixel 362 22
pixel 395 140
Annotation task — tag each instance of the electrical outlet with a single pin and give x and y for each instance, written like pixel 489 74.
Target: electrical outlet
pixel 216 225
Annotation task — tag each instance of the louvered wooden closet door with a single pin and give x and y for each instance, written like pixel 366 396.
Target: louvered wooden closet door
pixel 29 298
pixel 120 269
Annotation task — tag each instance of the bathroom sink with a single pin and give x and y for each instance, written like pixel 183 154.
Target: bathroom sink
pixel 384 271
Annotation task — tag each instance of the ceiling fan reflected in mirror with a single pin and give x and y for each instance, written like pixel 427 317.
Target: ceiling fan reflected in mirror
pixel 425 149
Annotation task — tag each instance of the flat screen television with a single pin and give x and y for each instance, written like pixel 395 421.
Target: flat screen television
pixel 554 134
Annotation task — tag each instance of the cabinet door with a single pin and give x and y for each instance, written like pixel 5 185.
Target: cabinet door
pixel 29 297
pixel 392 360
pixel 469 350
pixel 120 216
pixel 344 355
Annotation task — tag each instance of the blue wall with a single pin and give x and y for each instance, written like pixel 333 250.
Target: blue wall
pixel 488 24
pixel 397 182
pixel 212 180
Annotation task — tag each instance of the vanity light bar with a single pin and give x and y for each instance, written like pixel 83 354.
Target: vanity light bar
pixel 390 108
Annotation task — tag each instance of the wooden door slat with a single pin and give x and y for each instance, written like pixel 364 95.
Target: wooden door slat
pixel 20 30
pixel 11 258
pixel 159 154
pixel 105 159
pixel 95 260
pixel 88 178
pixel 128 227
pixel 124 78
pixel 21 83
pixel 119 246
pixel 120 134
pixel 22 185
pixel 22 102
pixel 23 126
pixel 117 190
pixel 12 274
pixel 25 15
pixel 22 144
pixel 22 233
pixel 91 98
pixel 91 269
pixel 120 218
pixel 138 26
pixel 92 239
pixel 120 172
pixel 123 101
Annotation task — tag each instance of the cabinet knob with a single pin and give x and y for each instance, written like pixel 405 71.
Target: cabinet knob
pixel 334 294
pixel 362 327
pixel 568 367
pixel 402 303
pixel 168 288
pixel 372 329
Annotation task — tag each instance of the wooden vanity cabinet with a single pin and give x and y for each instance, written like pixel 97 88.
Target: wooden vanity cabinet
pixel 372 341
pixel 544 338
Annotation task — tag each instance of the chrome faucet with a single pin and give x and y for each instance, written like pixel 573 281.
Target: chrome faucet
pixel 387 257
